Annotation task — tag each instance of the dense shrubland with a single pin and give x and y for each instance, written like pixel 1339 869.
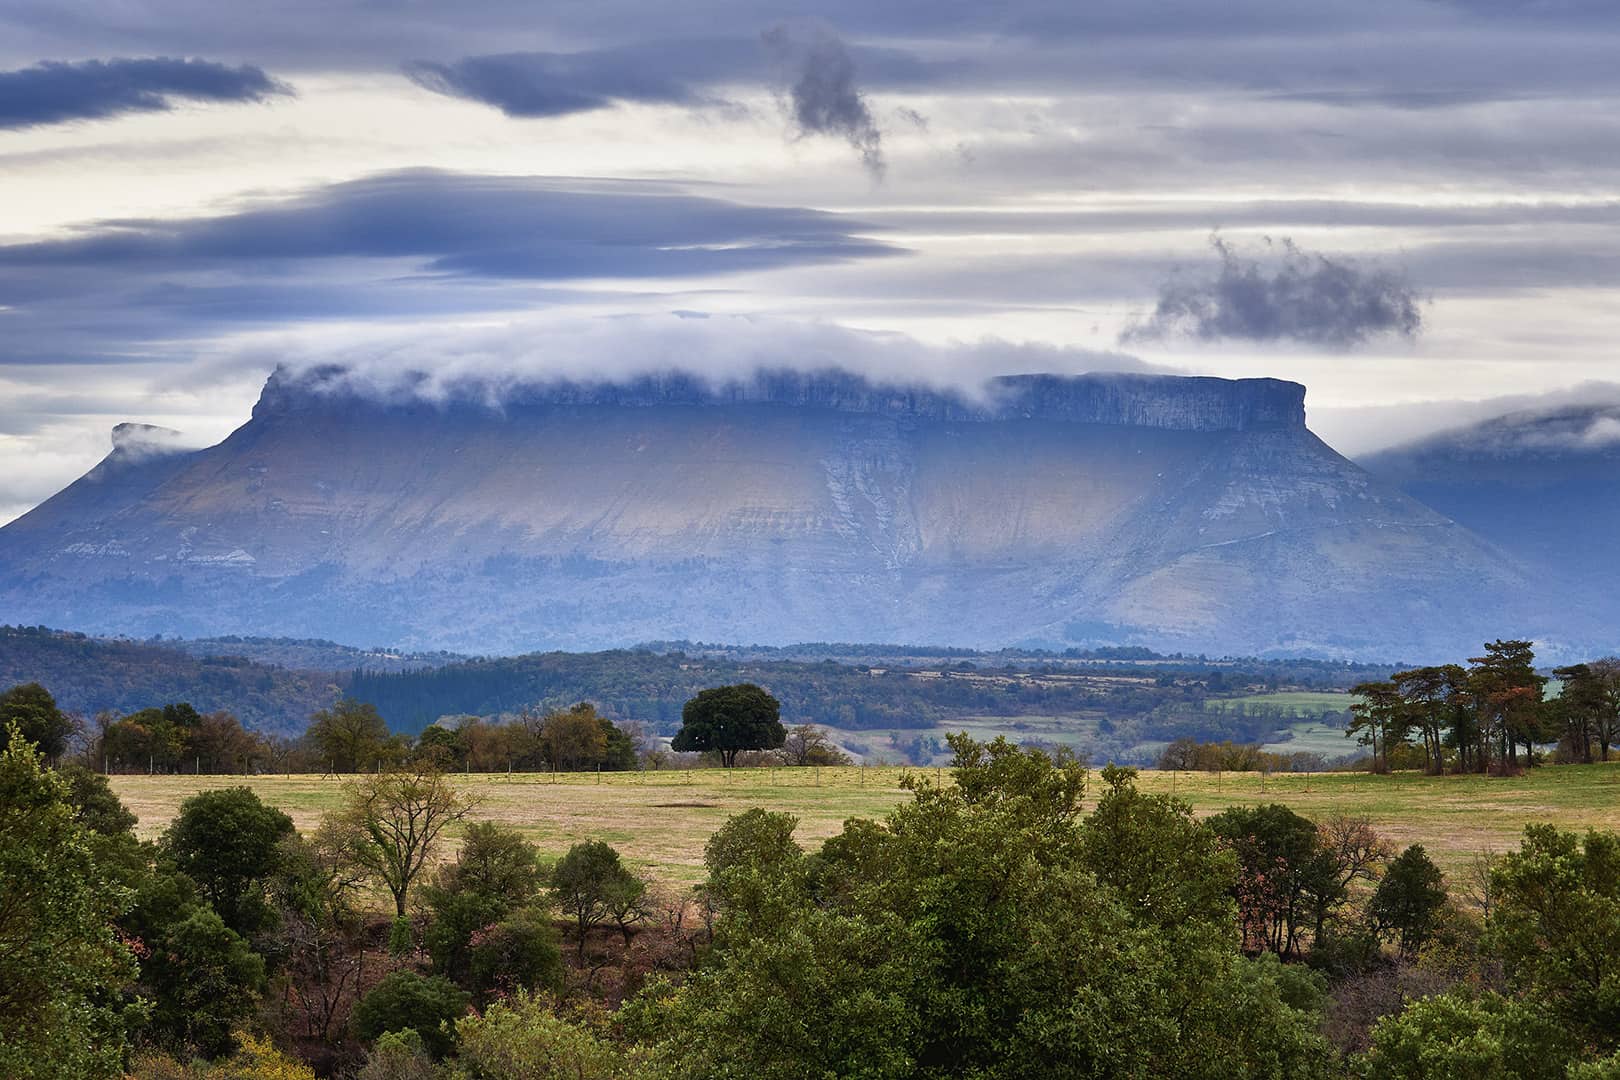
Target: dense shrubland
pixel 986 927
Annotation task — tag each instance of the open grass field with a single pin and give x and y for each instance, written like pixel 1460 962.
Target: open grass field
pixel 660 820
pixel 875 744
pixel 1305 702
pixel 1313 736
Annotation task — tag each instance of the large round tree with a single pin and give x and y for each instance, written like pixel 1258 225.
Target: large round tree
pixel 727 719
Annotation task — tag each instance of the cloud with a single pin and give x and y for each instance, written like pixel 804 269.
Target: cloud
pixel 1587 427
pixel 54 92
pixel 822 95
pixel 411 244
pixel 1285 293
pixel 543 84
pixel 489 363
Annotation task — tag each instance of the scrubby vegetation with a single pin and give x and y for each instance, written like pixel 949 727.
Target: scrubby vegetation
pixel 988 926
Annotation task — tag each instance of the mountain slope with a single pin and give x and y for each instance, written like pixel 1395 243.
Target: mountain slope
pixel 1543 485
pixel 1187 513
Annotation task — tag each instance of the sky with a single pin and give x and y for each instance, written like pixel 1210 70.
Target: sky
pixel 1410 206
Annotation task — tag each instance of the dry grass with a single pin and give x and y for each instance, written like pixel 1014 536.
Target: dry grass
pixel 661 820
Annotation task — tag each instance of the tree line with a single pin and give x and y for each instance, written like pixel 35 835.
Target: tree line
pixel 350 736
pixel 1488 716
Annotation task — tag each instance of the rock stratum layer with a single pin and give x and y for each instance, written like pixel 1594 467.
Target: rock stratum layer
pixel 1183 513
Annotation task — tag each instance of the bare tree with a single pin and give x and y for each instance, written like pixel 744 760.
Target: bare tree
pixel 1477 885
pixel 807 744
pixel 1356 851
pixel 391 821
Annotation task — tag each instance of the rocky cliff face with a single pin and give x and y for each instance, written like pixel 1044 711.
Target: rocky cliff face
pixel 1183 513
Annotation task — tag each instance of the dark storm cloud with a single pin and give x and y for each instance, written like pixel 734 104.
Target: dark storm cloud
pixel 822 93
pixel 52 92
pixel 1285 294
pixel 401 244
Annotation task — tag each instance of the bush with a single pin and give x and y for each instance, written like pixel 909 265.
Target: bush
pixel 429 1005
pixel 399 936
pixel 400 1055
pixel 519 953
pixel 256 1060
pixel 522 1039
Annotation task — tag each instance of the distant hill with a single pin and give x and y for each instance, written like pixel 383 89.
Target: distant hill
pixel 1182 514
pixel 311 654
pixel 89 674
pixel 1542 485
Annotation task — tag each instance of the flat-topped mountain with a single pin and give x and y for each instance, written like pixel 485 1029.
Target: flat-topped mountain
pixel 1183 513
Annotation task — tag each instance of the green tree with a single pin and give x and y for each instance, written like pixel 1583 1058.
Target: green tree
pixel 1287 880
pixel 400 1055
pixel 619 750
pixel 429 1005
pixel 1379 719
pixel 1171 870
pixel 590 883
pixel 1507 699
pixel 349 736
pixel 1409 900
pixel 753 838
pixel 390 823
pixel 229 843
pixel 1456 1036
pixel 1581 708
pixel 1607 730
pixel 1556 920
pixel 32 709
pixel 320 933
pixel 205 981
pixel 62 966
pixel 964 935
pixel 495 860
pixel 95 806
pixel 729 719
pixel 1431 697
pixel 442 746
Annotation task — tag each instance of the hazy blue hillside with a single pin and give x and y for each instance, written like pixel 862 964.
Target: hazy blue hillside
pixel 1543 486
